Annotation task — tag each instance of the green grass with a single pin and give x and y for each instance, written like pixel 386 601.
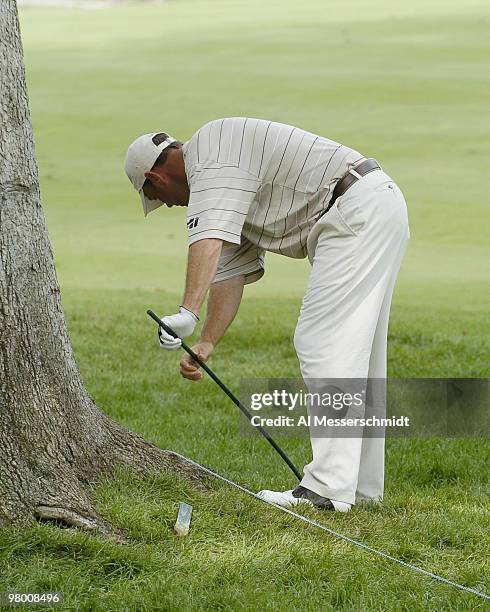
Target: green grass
pixel 406 84
pixel 241 554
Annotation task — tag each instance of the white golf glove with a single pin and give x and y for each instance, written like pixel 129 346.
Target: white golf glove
pixel 183 324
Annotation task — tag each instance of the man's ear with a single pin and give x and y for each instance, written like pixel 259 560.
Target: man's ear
pixel 155 177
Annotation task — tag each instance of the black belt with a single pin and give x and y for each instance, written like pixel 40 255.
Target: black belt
pixel 365 167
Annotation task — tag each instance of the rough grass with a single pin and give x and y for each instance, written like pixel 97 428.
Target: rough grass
pixel 241 554
pixel 409 86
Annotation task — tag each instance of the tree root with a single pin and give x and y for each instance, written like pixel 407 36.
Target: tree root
pixel 71 518
pixel 128 450
pixel 72 506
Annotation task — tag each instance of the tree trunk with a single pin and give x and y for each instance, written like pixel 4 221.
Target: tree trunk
pixel 54 441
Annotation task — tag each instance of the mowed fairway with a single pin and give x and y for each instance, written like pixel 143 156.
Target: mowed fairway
pixel 408 85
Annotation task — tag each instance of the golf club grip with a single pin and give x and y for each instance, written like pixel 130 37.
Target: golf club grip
pixel 229 393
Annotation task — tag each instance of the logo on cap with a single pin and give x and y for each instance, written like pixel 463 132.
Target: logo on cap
pixel 159 138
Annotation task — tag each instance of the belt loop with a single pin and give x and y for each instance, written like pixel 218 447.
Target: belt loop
pixel 351 177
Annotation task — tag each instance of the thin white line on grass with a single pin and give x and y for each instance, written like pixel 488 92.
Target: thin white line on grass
pixel 335 533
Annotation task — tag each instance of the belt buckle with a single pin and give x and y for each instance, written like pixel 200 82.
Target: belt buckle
pixel 355 174
pixel 353 170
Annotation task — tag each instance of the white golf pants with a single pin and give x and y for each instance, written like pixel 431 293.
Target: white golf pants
pixel 355 250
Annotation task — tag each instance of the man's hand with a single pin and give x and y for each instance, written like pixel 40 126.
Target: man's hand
pixel 188 367
pixel 182 323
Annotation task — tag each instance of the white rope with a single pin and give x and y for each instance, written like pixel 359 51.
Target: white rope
pixel 336 534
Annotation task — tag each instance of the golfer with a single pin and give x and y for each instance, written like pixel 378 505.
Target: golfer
pixel 252 186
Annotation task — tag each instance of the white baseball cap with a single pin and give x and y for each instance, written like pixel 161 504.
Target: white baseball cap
pixel 140 158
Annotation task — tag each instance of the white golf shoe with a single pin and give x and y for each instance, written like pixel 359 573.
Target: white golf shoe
pixel 302 495
pixel 282 498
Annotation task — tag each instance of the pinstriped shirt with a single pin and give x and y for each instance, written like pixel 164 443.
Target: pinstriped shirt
pixel 259 186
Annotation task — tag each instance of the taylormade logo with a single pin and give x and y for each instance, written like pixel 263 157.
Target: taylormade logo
pixel 192 222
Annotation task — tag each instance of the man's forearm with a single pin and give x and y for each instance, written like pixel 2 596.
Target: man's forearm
pixel 202 262
pixel 224 300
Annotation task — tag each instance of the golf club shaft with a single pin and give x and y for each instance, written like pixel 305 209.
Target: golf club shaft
pixel 229 393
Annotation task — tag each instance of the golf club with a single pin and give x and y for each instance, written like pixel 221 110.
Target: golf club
pixel 233 398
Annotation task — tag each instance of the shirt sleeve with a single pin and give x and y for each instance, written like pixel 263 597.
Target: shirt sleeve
pixel 219 201
pixel 246 258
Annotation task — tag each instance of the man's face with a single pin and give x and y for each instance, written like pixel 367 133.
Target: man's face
pixel 166 187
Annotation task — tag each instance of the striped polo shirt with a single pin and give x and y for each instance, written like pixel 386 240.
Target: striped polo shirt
pixel 259 186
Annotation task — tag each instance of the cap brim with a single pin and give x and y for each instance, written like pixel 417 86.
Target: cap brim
pixel 149 205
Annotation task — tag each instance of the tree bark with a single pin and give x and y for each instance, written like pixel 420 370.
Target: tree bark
pixel 54 441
